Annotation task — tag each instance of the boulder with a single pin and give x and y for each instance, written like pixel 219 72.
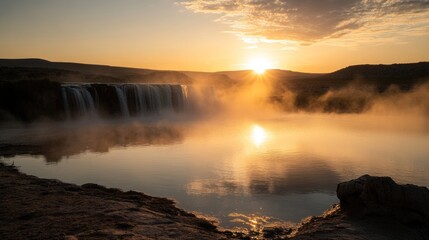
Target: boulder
pixel 381 196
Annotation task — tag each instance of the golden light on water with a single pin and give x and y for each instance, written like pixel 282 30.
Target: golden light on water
pixel 253 221
pixel 259 135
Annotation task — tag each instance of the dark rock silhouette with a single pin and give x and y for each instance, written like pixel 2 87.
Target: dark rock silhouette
pixel 373 208
pixel 31 100
pixel 381 196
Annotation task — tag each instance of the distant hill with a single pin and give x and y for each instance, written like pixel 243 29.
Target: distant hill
pixel 403 75
pixel 269 74
pixel 348 90
pixel 380 76
pixel 382 72
pixel 40 69
pixel 80 67
pixel 37 69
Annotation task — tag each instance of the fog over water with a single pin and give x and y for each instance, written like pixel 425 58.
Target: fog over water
pixel 234 155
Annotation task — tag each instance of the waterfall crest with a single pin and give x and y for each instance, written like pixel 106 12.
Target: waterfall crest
pixel 121 100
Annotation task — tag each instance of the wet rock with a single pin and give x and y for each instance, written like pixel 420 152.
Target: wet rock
pixel 381 196
pixel 275 232
pixel 124 226
pixel 204 224
pixel 93 212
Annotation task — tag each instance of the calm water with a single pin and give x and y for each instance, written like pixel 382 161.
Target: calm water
pixel 242 172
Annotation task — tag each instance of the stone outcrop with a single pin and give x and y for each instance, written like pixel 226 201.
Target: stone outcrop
pixel 373 208
pixel 381 196
pixel 34 208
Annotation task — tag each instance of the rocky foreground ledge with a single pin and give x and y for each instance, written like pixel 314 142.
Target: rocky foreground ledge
pixel 34 208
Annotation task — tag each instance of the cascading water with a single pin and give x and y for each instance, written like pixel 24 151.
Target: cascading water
pixel 78 101
pixel 122 97
pixel 66 102
pixel 123 100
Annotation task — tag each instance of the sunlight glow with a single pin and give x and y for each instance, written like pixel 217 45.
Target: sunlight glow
pixel 259 65
pixel 259 135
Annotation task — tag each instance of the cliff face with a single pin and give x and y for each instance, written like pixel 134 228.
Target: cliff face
pixel 31 100
pixel 40 100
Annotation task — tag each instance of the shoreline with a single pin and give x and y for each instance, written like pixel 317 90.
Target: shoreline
pixel 35 208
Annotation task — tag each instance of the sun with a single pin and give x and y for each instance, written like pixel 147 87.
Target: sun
pixel 259 65
pixel 259 69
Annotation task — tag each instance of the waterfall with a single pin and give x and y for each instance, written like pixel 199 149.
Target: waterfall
pixel 122 97
pixel 78 101
pixel 89 102
pixel 124 100
pixel 66 103
pixel 142 99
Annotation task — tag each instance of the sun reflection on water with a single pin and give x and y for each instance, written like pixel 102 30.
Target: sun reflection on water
pixel 256 223
pixel 253 222
pixel 259 135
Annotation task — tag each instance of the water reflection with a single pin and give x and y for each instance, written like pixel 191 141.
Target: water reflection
pixel 245 172
pixel 57 142
pixel 276 174
pixel 254 222
pixel 259 135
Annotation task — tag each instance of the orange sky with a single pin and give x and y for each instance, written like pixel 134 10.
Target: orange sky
pixel 300 35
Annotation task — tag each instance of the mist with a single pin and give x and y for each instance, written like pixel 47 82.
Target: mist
pixel 261 97
pixel 220 100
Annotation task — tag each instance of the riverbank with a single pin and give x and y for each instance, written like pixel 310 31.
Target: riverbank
pixel 34 208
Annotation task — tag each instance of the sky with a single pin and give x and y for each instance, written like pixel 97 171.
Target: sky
pixel 300 35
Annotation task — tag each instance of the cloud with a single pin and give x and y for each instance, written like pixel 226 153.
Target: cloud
pixel 308 21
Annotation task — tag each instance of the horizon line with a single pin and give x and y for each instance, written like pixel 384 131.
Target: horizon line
pixel 196 71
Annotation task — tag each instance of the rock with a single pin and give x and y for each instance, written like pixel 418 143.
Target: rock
pixel 381 196
pixel 93 186
pixel 124 226
pixel 31 100
pixel 93 212
pixel 275 232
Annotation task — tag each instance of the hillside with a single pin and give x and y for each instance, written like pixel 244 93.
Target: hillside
pixel 80 67
pixel 405 76
pixel 380 76
pixel 270 74
pixel 39 69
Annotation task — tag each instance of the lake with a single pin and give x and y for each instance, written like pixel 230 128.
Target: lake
pixel 243 172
